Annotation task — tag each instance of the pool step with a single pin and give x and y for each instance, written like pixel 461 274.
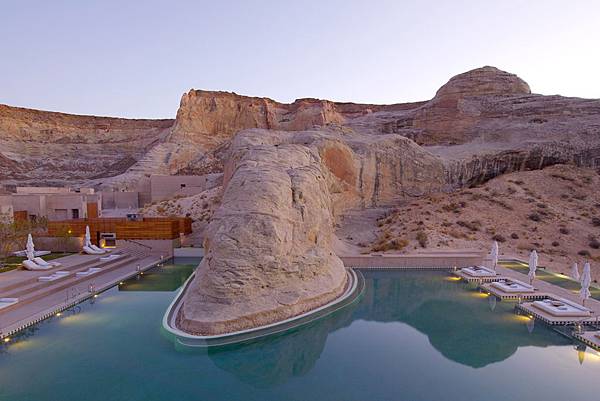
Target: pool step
pixel 74 268
pixel 48 288
pixel 36 285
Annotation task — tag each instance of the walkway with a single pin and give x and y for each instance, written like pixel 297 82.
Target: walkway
pixel 39 300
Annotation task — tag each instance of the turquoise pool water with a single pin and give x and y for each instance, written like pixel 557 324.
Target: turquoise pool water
pixel 413 336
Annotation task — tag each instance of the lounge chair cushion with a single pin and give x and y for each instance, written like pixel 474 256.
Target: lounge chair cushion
pixel 31 265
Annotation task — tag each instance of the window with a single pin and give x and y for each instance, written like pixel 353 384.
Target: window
pixel 75 213
pixel 182 186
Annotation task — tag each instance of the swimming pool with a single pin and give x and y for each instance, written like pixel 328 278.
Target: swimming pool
pixel 414 335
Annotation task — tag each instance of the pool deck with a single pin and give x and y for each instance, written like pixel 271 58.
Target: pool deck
pixel 512 296
pixel 551 290
pixel 590 338
pixel 39 300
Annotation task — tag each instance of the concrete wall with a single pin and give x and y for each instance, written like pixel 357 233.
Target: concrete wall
pixel 35 205
pixel 163 247
pixel 42 190
pixel 164 187
pixel 55 206
pixel 425 260
pixel 53 244
pixel 120 200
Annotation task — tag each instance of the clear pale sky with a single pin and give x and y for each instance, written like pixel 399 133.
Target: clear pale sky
pixel 136 58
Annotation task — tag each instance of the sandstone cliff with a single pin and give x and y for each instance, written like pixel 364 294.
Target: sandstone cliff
pixel 41 146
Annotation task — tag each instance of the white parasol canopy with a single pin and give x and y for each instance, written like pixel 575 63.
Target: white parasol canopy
pixel 494 255
pixel 533 261
pixel 586 280
pixel 88 237
pixel 575 272
pixel 30 249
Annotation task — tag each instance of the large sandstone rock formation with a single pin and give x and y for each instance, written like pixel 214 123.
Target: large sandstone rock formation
pixel 269 247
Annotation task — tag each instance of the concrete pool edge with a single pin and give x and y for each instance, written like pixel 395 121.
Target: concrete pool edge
pixel 352 293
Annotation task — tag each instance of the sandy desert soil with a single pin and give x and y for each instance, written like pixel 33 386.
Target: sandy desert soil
pixel 555 211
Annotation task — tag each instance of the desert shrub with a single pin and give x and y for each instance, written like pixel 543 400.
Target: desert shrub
pixel 473 225
pixel 596 221
pixel 584 252
pixel 456 234
pixel 534 217
pixel 564 230
pixel 594 244
pixel 541 205
pixel 446 224
pixel 510 190
pixel 454 207
pixel 422 239
pixel 555 243
pixel 580 196
pixel 514 236
pixel 499 238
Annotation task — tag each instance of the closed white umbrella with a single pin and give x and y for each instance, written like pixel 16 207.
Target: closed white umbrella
pixel 494 254
pixel 30 249
pixel 88 237
pixel 575 272
pixel 533 261
pixel 586 280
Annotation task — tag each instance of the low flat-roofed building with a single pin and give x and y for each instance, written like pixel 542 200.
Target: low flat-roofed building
pixel 56 203
pixel 164 187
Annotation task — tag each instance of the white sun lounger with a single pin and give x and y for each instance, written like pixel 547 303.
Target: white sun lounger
pixel 6 302
pixel 88 272
pixel 478 271
pixel 42 262
pixel 91 251
pixel 562 308
pixel 97 249
pixel 31 265
pixel 512 286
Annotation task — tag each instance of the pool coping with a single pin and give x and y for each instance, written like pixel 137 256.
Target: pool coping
pixel 170 315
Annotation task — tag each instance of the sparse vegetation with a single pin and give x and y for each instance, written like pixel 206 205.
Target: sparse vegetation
pixel 534 217
pixel 473 225
pixel 422 238
pixel 499 238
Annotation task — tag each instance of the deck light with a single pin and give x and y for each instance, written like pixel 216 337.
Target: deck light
pixel 95 295
pixel 58 314
pixel 7 339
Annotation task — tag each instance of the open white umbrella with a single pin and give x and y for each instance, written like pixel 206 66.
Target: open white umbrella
pixel 88 237
pixel 575 272
pixel 494 255
pixel 533 261
pixel 30 249
pixel 586 280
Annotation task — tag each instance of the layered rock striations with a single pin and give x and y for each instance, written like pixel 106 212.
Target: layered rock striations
pixel 41 146
pixel 269 249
